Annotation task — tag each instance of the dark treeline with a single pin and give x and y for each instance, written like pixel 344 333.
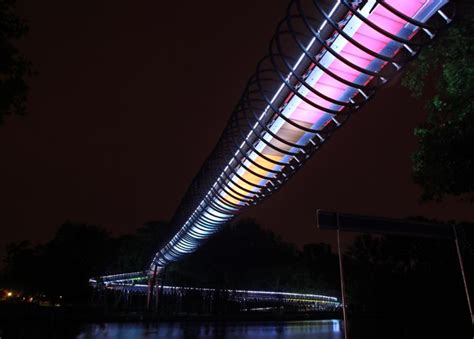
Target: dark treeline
pixel 413 286
pixel 405 284
pixel 242 255
pixel 245 256
pixel 394 282
pixel 78 252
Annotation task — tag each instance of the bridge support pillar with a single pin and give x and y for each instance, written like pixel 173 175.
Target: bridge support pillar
pixel 151 286
pixel 159 290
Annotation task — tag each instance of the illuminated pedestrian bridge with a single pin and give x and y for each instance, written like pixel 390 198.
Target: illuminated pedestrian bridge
pixel 326 60
pixel 133 284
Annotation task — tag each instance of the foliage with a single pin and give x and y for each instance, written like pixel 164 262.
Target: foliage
pixel 15 69
pixel 135 251
pixel 63 265
pixel 444 162
pixel 242 255
pixel 78 252
pixel 407 284
pixel 245 256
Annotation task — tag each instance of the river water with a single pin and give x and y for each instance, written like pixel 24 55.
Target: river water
pixel 319 329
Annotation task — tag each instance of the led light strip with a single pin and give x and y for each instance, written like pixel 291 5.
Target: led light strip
pixel 288 295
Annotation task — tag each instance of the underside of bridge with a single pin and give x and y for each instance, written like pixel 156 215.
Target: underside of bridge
pixel 326 59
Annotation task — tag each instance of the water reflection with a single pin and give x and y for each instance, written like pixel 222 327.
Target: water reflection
pixel 320 329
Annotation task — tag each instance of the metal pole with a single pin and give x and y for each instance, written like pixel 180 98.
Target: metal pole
pixel 341 275
pixel 151 284
pixel 159 289
pixel 461 264
pixel 157 292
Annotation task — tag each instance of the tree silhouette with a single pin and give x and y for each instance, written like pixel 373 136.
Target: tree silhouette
pixel 243 255
pixel 444 162
pixel 78 252
pixel 62 266
pixel 411 285
pixel 15 69
pixel 135 251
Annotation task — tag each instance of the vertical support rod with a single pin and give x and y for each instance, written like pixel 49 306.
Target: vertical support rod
pixel 159 289
pixel 341 275
pixel 461 264
pixel 157 294
pixel 151 284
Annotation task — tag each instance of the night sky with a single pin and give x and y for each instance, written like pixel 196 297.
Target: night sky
pixel 132 96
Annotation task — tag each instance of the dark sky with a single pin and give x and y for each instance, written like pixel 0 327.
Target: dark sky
pixel 130 99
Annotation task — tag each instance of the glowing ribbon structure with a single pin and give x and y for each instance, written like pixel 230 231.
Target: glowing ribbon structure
pixel 326 59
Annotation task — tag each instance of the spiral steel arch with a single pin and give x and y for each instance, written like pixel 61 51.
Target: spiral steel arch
pixel 325 61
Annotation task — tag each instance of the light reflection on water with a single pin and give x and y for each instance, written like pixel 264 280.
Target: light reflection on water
pixel 320 329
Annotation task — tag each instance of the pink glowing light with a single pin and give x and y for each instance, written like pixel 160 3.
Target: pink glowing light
pixel 369 38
